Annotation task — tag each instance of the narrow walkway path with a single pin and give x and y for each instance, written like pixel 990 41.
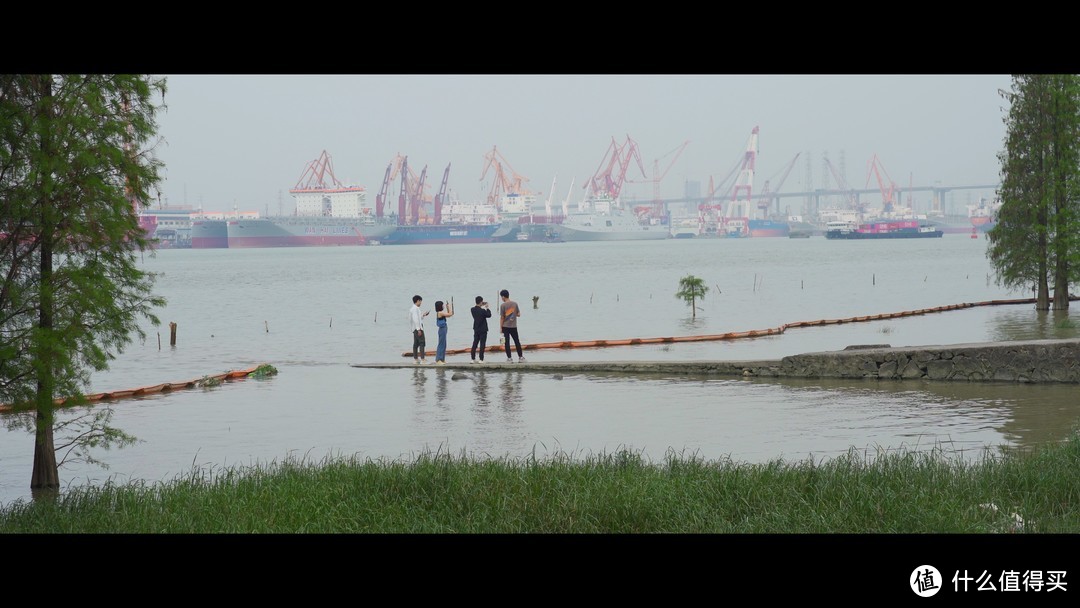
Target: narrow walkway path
pixel 755 333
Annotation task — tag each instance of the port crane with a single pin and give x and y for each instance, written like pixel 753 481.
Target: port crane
pixel 708 211
pixel 440 198
pixel 315 174
pixel 380 198
pixel 852 200
pixel 874 168
pixel 766 195
pixel 506 181
pixel 657 208
pixel 608 180
pixel 736 221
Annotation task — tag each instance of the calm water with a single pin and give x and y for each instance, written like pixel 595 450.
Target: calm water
pixel 312 312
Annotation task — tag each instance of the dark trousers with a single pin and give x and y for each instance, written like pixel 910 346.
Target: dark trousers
pixel 511 332
pixel 479 338
pixel 417 344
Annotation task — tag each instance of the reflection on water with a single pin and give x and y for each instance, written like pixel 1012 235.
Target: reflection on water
pixel 1026 415
pixel 1024 323
pixel 481 389
pixel 511 397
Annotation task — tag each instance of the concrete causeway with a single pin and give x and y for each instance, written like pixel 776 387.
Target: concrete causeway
pixel 1023 361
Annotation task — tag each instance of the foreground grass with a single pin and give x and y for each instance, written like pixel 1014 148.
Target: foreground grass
pixel 917 492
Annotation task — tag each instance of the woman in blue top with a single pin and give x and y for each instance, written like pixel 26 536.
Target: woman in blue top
pixel 442 313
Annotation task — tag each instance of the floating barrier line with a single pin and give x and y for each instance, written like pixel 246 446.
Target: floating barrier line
pixel 166 387
pixel 756 333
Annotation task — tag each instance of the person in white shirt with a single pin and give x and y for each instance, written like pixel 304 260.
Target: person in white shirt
pixel 416 321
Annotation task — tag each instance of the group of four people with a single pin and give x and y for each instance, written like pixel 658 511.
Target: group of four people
pixel 509 311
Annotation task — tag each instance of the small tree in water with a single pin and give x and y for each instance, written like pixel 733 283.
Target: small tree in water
pixel 692 289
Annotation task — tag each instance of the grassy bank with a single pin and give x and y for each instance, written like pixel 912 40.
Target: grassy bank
pixel 916 492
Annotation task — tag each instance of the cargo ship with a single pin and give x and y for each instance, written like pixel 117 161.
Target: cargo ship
pixel 881 229
pixel 775 228
pixel 983 216
pixel 303 231
pixel 441 234
pixel 209 234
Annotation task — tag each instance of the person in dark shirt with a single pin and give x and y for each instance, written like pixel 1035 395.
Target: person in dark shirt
pixel 480 314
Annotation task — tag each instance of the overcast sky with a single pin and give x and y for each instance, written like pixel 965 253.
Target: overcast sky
pixel 245 140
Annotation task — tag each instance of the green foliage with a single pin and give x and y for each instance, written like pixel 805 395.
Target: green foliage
pixel 860 492
pixel 75 162
pixel 692 289
pixel 263 371
pixel 208 382
pixel 1035 242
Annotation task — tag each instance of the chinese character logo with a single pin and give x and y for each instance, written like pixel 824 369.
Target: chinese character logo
pixel 925 581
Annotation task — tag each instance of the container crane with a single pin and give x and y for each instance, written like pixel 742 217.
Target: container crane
pixel 888 191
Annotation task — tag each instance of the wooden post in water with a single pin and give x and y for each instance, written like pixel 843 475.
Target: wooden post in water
pixel 159 340
pixel 267 326
pixel 172 333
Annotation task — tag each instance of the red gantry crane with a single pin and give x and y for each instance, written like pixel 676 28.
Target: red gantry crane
pixel 440 198
pixel 737 219
pixel 315 174
pixel 888 191
pixel 611 175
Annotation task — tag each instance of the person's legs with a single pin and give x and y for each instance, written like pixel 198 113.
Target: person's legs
pixel 423 346
pixel 440 352
pixel 517 342
pixel 506 342
pixel 483 344
pixel 475 341
pixel 415 344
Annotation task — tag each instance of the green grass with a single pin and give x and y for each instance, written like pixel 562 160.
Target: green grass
pixel 908 492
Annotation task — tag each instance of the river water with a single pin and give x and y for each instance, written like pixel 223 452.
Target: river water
pixel 311 312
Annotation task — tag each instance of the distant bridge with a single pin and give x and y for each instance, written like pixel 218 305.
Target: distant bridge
pixel 814 196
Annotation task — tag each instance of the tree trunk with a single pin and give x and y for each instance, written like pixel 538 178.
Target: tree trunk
pixel 46 476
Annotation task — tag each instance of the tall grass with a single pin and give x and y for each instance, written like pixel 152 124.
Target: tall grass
pixel 621 492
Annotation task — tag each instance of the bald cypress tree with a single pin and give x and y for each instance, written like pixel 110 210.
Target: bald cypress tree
pixel 74 164
pixel 1034 242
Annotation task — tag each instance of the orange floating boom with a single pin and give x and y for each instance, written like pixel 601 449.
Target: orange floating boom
pixel 166 387
pixel 495 348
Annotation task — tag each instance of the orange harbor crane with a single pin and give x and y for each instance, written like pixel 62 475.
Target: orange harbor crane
pixel 888 191
pixel 503 184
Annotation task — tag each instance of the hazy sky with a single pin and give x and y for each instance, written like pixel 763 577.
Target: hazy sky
pixel 245 140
